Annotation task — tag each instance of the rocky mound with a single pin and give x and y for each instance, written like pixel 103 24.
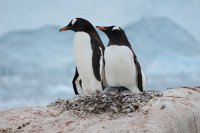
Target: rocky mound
pixel 109 101
pixel 177 110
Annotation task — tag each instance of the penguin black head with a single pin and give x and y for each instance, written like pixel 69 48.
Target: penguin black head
pixel 114 33
pixel 78 24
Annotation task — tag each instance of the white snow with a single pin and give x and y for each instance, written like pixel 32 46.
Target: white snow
pixel 174 64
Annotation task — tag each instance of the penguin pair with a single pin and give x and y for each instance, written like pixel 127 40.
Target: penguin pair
pixel 96 69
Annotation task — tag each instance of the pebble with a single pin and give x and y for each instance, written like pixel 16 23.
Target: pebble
pixel 109 101
pixel 163 106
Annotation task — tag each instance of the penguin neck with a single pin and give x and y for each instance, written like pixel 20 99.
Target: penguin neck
pixel 119 43
pixel 91 31
pixel 118 39
pixel 93 34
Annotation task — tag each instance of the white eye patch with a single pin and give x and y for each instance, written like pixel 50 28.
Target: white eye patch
pixel 74 21
pixel 115 28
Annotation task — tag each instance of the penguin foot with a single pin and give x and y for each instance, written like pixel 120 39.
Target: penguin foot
pixel 117 90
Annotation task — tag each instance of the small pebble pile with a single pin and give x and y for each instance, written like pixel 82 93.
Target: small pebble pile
pixel 114 102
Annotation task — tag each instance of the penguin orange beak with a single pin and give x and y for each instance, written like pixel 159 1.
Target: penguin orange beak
pixel 65 28
pixel 101 28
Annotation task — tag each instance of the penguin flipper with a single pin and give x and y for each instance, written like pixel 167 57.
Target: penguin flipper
pixel 139 74
pixel 74 82
pixel 96 57
pixel 103 78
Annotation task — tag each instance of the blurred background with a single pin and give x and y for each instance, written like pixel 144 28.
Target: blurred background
pixel 37 61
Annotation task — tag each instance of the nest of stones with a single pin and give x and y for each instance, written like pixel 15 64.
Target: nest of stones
pixel 110 101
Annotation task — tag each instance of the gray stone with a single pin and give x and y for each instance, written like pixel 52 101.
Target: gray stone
pixel 110 100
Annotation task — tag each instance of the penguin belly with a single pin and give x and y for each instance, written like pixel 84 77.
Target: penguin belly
pixel 83 60
pixel 120 69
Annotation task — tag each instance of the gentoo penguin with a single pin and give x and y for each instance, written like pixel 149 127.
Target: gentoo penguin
pixel 89 51
pixel 122 68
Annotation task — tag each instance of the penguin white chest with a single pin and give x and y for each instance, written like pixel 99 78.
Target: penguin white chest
pixel 83 61
pixel 83 52
pixel 120 69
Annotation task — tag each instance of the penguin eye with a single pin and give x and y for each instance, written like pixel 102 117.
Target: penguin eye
pixel 115 28
pixel 73 21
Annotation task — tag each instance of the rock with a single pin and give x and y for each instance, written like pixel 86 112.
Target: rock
pixel 112 100
pixel 6 130
pixel 163 106
pixel 114 109
pixel 126 110
pixel 177 110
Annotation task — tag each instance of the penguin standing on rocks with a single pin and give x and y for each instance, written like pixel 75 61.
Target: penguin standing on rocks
pixel 89 51
pixel 122 68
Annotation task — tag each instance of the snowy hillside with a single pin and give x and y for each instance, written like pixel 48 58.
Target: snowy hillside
pixel 155 36
pixel 35 65
pixel 38 64
pixel 168 53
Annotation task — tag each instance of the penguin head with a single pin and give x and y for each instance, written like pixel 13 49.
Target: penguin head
pixel 114 33
pixel 78 24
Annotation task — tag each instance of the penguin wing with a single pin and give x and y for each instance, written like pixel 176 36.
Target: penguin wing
pixel 74 82
pixel 96 57
pixel 139 73
pixel 103 82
